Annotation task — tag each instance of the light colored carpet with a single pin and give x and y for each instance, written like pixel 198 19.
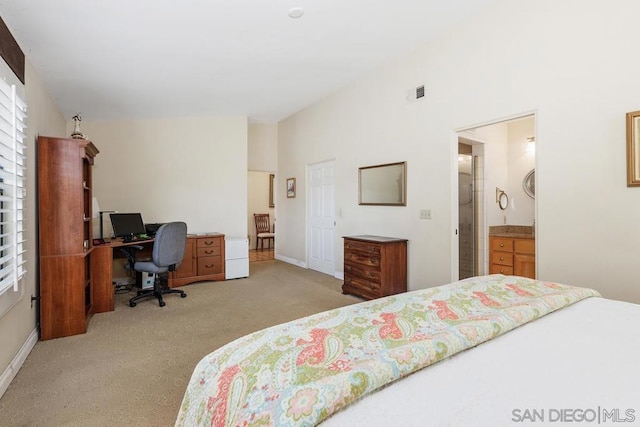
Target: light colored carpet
pixel 132 366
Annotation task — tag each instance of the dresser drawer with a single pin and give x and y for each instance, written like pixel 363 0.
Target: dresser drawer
pixel 360 271
pixel 500 269
pixel 209 265
pixel 368 248
pixel 209 242
pixel 360 258
pixel 502 258
pixel 369 286
pixel 209 251
pixel 501 244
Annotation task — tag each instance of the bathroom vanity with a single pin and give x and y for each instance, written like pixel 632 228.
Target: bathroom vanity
pixel 512 250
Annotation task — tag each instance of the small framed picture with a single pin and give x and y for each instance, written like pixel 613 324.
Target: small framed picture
pixel 291 187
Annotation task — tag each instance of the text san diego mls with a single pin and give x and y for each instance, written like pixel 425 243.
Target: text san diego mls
pixel 597 415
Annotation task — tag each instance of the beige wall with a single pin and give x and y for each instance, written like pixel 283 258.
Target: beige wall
pixel 45 119
pixel 263 147
pixel 521 209
pixel 519 57
pixel 190 169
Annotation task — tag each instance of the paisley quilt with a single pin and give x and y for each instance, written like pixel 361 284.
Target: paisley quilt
pixel 301 372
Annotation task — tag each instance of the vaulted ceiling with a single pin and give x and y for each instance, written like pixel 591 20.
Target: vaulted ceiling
pixel 120 59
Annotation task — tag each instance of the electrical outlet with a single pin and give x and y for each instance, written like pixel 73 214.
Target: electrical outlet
pixel 425 213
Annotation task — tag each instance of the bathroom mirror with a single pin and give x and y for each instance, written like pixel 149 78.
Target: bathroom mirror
pixel 529 184
pixel 502 199
pixel 384 185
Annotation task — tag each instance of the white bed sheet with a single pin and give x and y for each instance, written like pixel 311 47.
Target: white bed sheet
pixel 585 357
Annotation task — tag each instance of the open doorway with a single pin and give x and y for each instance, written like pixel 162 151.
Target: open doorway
pixel 261 200
pixel 495 163
pixel 470 260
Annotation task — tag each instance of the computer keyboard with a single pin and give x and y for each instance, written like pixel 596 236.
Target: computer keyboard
pixel 136 238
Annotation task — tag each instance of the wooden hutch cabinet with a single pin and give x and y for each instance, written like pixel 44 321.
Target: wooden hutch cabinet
pixel 374 266
pixel 64 235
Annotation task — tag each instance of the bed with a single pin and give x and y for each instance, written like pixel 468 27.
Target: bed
pixel 416 359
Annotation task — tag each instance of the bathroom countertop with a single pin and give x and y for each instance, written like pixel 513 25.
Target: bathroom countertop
pixel 513 231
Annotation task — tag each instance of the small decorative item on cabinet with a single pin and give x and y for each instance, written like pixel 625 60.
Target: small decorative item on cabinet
pixel 374 266
pixel 77 134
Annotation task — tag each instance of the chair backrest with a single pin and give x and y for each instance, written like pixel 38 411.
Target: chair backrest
pixel 169 245
pixel 263 225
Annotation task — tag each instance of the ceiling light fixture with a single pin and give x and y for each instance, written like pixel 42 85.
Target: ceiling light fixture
pixel 531 144
pixel 296 12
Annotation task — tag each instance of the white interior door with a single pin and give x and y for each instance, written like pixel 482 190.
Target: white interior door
pixel 321 178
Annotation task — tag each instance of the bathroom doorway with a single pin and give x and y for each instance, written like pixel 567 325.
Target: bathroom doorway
pixel 470 220
pixel 493 159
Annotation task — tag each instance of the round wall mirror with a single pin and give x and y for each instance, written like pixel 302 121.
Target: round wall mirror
pixel 529 184
pixel 503 200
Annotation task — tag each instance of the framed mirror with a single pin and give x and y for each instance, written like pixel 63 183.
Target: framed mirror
pixel 502 199
pixel 529 184
pixel 633 149
pixel 384 185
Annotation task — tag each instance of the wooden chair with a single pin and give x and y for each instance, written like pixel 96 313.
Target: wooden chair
pixel 263 230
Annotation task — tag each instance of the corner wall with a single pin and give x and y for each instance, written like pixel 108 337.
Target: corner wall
pixel 18 324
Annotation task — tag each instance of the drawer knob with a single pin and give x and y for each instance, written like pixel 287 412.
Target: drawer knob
pixel 208 252
pixel 502 245
pixel 501 259
pixel 209 265
pixel 208 242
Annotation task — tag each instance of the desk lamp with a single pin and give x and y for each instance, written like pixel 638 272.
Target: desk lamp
pixel 101 223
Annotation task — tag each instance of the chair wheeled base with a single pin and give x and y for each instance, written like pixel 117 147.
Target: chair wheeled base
pixel 156 292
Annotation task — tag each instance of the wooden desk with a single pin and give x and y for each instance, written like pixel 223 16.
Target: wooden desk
pixel 204 260
pixel 102 272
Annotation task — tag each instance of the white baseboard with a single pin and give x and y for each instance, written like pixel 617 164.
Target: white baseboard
pixel 339 275
pixel 291 261
pixel 12 370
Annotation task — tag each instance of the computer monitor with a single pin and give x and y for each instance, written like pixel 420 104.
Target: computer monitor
pixel 127 225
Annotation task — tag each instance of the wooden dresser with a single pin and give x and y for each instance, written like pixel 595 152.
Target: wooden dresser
pixel 203 260
pixel 66 268
pixel 512 256
pixel 374 266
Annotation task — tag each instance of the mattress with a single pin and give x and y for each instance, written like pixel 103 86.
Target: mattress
pixel 493 350
pixel 577 365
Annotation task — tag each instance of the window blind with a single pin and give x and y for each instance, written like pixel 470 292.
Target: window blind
pixel 12 187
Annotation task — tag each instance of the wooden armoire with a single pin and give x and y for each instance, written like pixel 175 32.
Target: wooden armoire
pixel 64 235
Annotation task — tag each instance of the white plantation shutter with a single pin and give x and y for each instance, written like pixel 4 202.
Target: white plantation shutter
pixel 12 187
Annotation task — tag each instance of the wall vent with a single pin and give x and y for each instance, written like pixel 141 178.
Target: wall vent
pixel 415 94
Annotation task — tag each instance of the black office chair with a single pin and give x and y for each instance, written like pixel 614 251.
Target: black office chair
pixel 168 251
